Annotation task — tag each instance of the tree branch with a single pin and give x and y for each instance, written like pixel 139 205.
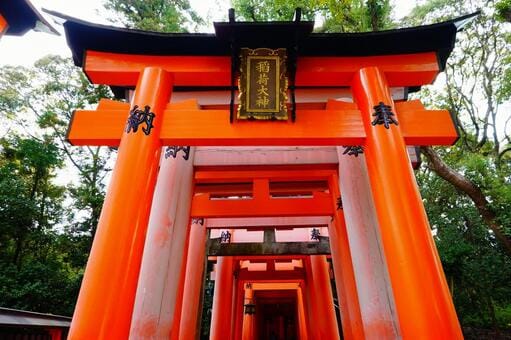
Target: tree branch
pixel 464 185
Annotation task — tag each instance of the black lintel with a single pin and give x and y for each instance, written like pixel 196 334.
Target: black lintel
pixel 216 248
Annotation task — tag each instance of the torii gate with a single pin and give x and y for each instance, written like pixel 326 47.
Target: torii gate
pixel 380 239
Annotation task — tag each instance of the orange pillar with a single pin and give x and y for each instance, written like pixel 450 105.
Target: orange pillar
pixel 239 310
pixel 302 319
pixel 248 319
pixel 3 25
pixel 422 298
pixel 105 303
pixel 324 320
pixel 55 333
pixel 193 281
pixel 222 299
pixel 375 296
pixel 181 279
pixel 164 259
pixel 351 317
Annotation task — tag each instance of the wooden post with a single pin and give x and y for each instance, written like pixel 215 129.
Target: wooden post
pixel 107 295
pixel 3 25
pixel 422 298
pixel 302 318
pixel 324 320
pixel 165 249
pixel 55 333
pixel 351 317
pixel 248 319
pixel 222 299
pixel 193 281
pixel 374 290
pixel 239 310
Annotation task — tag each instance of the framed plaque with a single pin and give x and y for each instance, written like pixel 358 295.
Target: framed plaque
pixel 263 84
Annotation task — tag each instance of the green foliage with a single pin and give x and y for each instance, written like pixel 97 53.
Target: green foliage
pixel 155 15
pixel 43 244
pixel 477 269
pixel 33 273
pixel 477 266
pixel 503 8
pixel 336 16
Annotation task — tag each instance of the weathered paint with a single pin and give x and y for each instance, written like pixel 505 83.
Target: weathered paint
pixel 106 299
pixel 423 302
pixel 164 251
pixel 373 284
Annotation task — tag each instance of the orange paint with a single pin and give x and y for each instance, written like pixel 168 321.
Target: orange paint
pixel 302 319
pixel 212 127
pixel 122 69
pixel 239 310
pixel 326 326
pixel 422 298
pixel 3 25
pixel 193 283
pixel 107 295
pixel 351 317
pixel 55 333
pixel 339 125
pixel 262 203
pixel 180 300
pixel 221 314
pixel 248 330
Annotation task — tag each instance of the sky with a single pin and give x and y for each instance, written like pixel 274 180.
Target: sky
pixel 32 46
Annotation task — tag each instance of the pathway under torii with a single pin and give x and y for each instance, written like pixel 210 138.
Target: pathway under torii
pixel 283 208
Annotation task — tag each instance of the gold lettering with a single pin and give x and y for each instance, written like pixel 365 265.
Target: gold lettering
pixel 262 101
pixel 263 91
pixel 263 66
pixel 263 79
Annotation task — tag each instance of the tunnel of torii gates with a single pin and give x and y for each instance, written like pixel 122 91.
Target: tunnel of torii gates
pixel 321 192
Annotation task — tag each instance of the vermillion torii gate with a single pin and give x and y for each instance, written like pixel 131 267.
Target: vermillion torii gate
pixel 388 274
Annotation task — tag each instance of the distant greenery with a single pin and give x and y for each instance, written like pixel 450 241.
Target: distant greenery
pixel 337 16
pixel 46 229
pixel 155 15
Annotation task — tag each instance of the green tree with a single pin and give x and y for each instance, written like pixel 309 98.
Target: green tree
pixel 45 97
pixel 474 92
pixel 47 236
pixel 336 16
pixel 33 272
pixel 155 15
pixel 466 187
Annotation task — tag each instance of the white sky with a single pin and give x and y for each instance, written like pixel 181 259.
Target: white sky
pixel 32 46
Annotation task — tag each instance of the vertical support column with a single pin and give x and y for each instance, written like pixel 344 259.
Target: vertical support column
pixel 239 310
pixel 302 319
pixel 312 305
pixel 422 298
pixel 248 319
pixel 3 25
pixel 222 299
pixel 165 249
pixel 351 317
pixel 55 333
pixel 369 264
pixel 107 295
pixel 323 319
pixel 193 281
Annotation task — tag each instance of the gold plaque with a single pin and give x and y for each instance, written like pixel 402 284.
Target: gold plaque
pixel 263 84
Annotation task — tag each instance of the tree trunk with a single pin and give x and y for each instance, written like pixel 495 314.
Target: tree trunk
pixel 464 185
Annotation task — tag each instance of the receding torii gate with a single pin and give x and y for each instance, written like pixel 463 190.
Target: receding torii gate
pixel 370 64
